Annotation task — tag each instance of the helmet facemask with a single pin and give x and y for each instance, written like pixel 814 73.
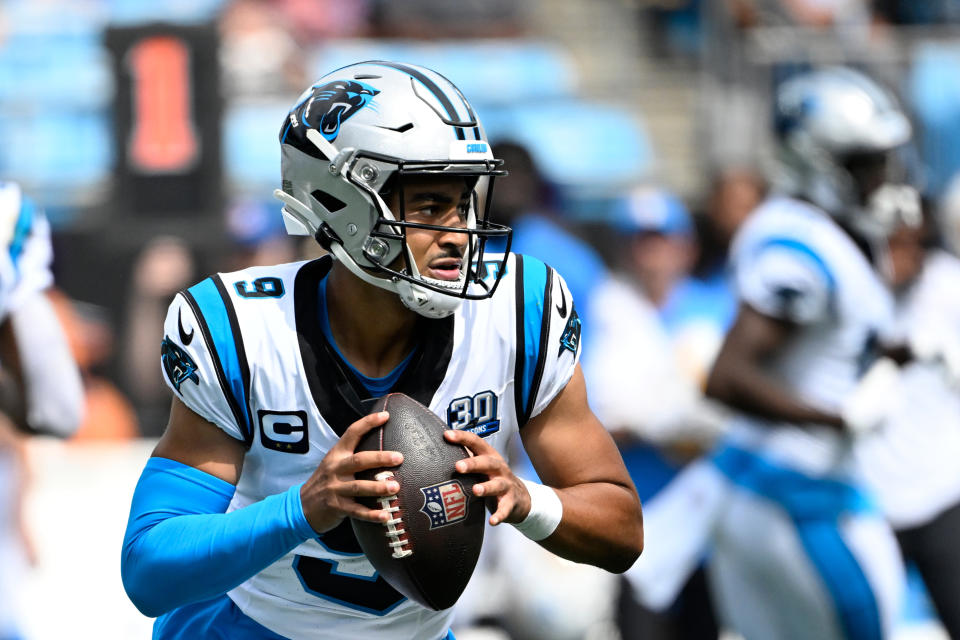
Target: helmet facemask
pixel 418 291
pixel 882 199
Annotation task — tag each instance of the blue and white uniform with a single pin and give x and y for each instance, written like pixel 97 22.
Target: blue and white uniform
pixel 24 271
pixel 248 352
pixel 800 550
pixel 25 261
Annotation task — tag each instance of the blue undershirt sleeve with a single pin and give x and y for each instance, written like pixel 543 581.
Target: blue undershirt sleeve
pixel 180 546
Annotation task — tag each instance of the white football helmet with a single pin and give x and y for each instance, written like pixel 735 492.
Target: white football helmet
pixel 837 130
pixel 349 139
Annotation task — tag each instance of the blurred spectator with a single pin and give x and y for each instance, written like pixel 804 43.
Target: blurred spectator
pixel 257 53
pixel 525 202
pixel 109 414
pixel 164 266
pixel 429 19
pixel 702 307
pixel 639 389
pixel 734 192
pixel 668 578
pixel 673 27
pixel 911 12
pixel 661 249
pixel 801 13
pixel 314 20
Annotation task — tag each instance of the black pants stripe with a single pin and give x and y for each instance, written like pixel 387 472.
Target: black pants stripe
pixel 935 549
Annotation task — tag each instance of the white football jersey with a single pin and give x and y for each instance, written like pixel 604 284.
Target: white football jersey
pixel 792 261
pixel 25 235
pixel 911 462
pixel 245 350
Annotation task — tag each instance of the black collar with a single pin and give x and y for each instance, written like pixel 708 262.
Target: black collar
pixel 340 397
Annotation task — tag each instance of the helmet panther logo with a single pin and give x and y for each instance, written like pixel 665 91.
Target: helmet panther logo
pixel 335 102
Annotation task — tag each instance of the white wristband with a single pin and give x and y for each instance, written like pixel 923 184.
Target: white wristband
pixel 546 511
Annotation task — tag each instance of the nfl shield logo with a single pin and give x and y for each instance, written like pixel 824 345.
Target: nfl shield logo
pixel 444 503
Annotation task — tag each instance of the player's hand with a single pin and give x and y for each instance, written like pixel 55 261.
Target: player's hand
pixel 330 494
pixel 938 344
pixel 502 488
pixel 873 399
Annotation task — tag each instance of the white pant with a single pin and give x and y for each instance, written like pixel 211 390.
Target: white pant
pixel 779 576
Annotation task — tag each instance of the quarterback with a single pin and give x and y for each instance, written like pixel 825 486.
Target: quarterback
pixel 239 524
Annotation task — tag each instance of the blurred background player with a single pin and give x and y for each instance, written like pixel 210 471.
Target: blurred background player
pixel 39 382
pixel 799 549
pixel 909 461
pixel 645 391
pixel 41 385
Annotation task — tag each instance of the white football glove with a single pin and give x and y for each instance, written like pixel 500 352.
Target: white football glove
pixel 876 395
pixel 940 347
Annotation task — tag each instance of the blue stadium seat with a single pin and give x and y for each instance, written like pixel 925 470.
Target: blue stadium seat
pixel 58 152
pixel 934 91
pixel 492 71
pixel 127 12
pixel 578 144
pixel 251 151
pixel 52 58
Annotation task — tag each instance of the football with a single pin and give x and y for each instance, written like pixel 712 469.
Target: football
pixel 428 550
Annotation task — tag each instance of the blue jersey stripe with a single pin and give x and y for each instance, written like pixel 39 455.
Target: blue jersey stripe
pixel 21 230
pixel 815 505
pixel 803 496
pixel 531 308
pixel 534 388
pixel 795 245
pixel 218 323
pixel 852 594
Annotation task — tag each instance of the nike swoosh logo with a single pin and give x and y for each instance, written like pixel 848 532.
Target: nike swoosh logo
pixel 562 307
pixel 185 338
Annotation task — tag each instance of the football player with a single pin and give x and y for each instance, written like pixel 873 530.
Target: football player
pixel 910 463
pixel 40 386
pixel 800 551
pixel 239 526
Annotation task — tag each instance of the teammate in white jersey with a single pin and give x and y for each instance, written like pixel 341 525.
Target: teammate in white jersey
pixel 800 550
pixel 41 387
pixel 239 526
pixel 911 462
pixel 42 391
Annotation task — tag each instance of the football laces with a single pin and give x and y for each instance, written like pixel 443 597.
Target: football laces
pixel 399 542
